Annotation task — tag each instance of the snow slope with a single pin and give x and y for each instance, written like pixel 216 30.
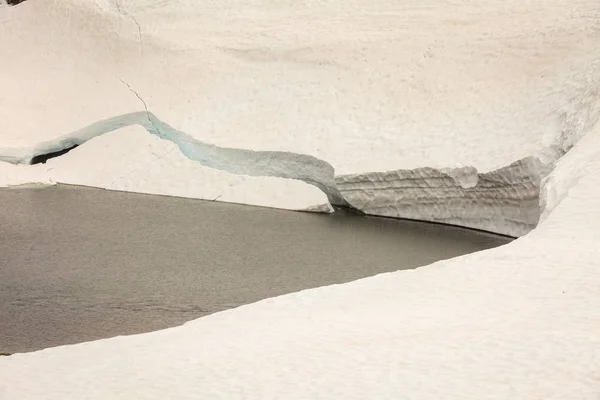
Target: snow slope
pixel 446 111
pixel 515 322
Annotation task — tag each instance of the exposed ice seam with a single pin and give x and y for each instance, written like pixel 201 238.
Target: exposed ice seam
pixel 279 164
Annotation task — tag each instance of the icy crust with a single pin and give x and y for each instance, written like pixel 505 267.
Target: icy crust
pixel 518 321
pixel 504 201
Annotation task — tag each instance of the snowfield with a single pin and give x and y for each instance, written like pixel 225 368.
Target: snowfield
pixel 478 113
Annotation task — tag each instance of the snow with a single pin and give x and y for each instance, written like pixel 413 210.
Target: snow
pixel 457 196
pixel 518 321
pixel 375 90
pixel 480 113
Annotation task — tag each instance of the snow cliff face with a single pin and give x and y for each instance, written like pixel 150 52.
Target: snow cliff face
pixel 503 201
pixel 407 111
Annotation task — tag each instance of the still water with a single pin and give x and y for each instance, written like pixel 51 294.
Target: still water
pixel 79 264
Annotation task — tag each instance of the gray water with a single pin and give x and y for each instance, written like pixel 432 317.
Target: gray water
pixel 79 264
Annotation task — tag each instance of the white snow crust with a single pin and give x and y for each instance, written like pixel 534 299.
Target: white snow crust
pixel 394 107
pixel 515 322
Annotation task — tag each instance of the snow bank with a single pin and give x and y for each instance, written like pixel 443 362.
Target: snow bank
pixel 519 321
pixel 389 94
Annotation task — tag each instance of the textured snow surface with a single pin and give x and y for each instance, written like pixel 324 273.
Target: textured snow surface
pixel 458 196
pixel 420 108
pixel 515 322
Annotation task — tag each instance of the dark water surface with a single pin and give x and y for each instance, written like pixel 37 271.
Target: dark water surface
pixel 79 264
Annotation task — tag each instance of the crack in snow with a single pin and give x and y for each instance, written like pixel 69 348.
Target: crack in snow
pixel 143 103
pixel 135 21
pixel 139 33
